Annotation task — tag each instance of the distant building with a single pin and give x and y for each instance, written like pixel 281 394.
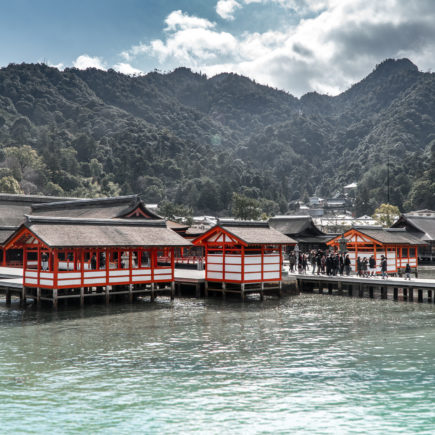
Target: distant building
pixel 421 224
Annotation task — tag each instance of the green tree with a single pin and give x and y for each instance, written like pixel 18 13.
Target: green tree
pixel 245 208
pixel 386 214
pixel 9 184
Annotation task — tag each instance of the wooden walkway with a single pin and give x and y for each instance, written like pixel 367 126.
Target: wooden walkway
pixel 394 287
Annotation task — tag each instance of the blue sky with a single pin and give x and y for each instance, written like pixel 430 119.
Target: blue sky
pixel 296 45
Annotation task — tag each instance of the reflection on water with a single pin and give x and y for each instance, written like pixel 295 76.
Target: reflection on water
pixel 313 364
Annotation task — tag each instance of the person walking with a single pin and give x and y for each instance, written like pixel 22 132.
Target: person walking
pixel 313 262
pixel 347 264
pixel 372 265
pixel 292 262
pixel 408 272
pixel 365 267
pixel 358 266
pixel 384 267
pixel 319 262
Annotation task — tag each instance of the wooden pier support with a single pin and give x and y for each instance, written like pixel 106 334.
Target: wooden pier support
pixel 429 296
pixel 224 286
pixel 350 291
pixel 82 296
pixel 371 292
pixel 411 294
pixel 329 288
pixel 153 295
pixel 405 294
pixel 172 290
pixel 420 295
pixel 262 292
pixel 130 293
pixel 320 288
pixel 198 290
pixel 360 291
pixel 395 293
pixel 38 295
pixel 242 292
pixel 206 289
pixel 384 292
pixel 340 288
pixel 106 290
pixel 55 298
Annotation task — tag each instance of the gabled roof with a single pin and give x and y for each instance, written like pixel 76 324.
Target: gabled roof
pixel 425 225
pixel 98 208
pixel 13 208
pixel 248 233
pixel 386 236
pixel 73 232
pixel 295 225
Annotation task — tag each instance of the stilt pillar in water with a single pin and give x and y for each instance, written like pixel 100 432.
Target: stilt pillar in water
pixel 172 290
pixel 429 296
pixel 23 297
pixel 38 295
pixel 55 299
pixel 242 292
pixel 320 288
pixel 371 292
pixel 262 292
pixel 130 293
pixel 350 291
pixel 405 293
pixel 198 290
pixel 206 289
pixel 360 290
pixel 329 288
pixel 106 291
pixel 82 296
pixel 8 297
pixel 395 293
pixel 340 287
pixel 153 296
pixel 420 295
pixel 224 286
pixel 384 291
pixel 411 294
pixel 280 289
pixel 178 289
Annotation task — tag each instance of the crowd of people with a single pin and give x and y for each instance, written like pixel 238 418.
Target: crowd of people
pixel 335 263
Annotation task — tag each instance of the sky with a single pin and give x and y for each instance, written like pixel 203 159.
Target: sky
pixel 295 45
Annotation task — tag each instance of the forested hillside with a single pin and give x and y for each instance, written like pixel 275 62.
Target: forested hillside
pixel 191 140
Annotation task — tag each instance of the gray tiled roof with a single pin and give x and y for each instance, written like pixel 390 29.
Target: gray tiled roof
pixel 293 225
pixel 391 235
pixel 73 232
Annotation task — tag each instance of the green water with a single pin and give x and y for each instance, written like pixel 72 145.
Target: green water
pixel 305 364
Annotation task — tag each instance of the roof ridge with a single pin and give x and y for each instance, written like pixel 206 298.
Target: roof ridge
pixel 35 219
pixel 87 201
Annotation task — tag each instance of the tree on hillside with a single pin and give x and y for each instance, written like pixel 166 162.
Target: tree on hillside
pixel 386 214
pixel 245 208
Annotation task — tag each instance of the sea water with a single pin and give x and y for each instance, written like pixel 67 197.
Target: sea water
pixel 314 364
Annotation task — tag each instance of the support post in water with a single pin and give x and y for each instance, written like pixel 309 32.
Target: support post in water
pixel 371 292
pixel 395 293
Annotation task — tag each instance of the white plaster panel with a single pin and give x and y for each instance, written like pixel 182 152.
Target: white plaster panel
pixel 271 275
pixel 217 267
pixel 271 259
pixel 253 268
pixel 252 259
pixel 163 278
pixel 252 276
pixel 119 279
pixel 94 274
pixel 233 259
pixel 69 275
pixel 119 272
pixel 142 272
pixel 29 273
pixel 233 268
pixel 31 281
pixel 101 281
pixel 271 267
pixel 214 275
pixel 162 271
pixel 46 275
pixel 146 278
pixel 69 282
pixel 214 258
pixel 233 276
pixel 46 281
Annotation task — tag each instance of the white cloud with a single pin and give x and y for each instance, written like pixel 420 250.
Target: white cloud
pixel 327 45
pixel 84 61
pixel 59 66
pixel 226 8
pixel 126 68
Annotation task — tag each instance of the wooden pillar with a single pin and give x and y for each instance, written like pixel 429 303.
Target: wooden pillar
pixel 8 296
pixel 405 293
pixel 198 290
pixel 262 292
pixel 371 292
pixel 350 291
pixel 23 297
pixel 206 289
pixel 242 291
pixel 82 296
pixel 223 290
pixel 38 295
pixel 340 288
pixel 172 290
pixel 411 294
pixel 429 295
pixel 420 295
pixel 153 296
pixel 384 293
pixel 395 293
pixel 130 293
pixel 360 290
pixel 329 288
pixel 106 290
pixel 320 288
pixel 280 289
pixel 55 300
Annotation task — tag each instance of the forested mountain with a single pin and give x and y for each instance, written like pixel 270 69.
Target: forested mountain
pixel 194 141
